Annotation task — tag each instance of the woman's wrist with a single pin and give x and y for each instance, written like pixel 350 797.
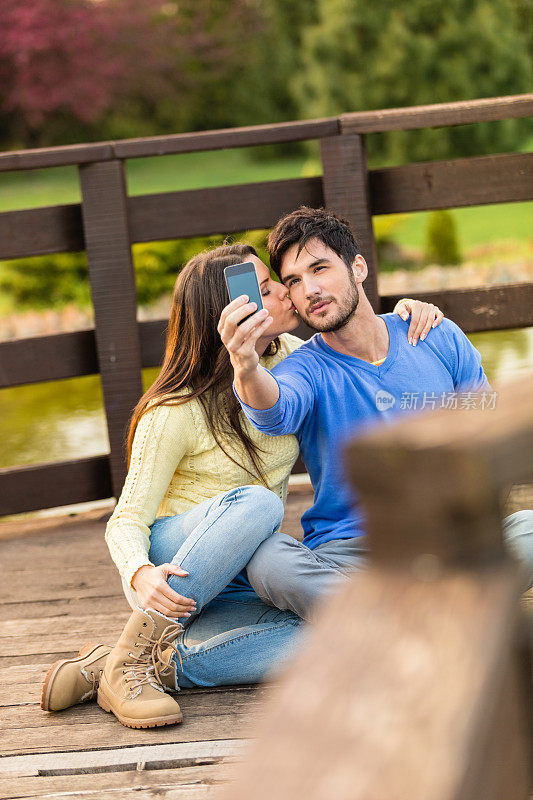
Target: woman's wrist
pixel 137 573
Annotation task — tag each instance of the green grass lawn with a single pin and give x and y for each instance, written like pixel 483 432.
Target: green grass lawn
pixel 475 226
pixel 46 187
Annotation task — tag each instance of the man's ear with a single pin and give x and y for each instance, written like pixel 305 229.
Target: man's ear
pixel 360 268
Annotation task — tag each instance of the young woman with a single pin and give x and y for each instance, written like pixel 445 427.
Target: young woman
pixel 204 489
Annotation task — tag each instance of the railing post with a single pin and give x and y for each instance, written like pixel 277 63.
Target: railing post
pixel 346 193
pixel 112 279
pixel 409 682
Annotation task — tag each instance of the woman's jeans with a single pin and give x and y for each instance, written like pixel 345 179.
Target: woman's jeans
pixel 233 637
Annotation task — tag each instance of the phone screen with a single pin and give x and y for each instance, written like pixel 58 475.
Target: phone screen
pixel 242 279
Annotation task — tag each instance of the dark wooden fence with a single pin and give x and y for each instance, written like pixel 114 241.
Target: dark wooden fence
pixel 108 221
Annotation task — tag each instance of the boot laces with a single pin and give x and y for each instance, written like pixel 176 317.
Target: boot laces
pixel 146 668
pixel 162 667
pixel 94 679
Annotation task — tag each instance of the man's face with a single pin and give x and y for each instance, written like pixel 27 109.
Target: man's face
pixel 322 288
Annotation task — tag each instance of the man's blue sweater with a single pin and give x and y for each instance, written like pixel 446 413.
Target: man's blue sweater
pixel 326 397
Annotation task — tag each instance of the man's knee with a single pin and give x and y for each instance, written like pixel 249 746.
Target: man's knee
pixel 269 568
pixel 518 535
pixel 520 522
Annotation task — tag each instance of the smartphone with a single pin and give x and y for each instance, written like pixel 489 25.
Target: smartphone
pixel 242 279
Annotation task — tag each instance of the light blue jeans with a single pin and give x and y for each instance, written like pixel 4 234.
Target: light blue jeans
pixel 233 637
pixel 238 633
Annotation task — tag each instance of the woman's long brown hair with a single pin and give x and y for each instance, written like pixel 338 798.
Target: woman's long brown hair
pixel 195 358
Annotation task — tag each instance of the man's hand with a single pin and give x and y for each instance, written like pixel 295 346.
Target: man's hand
pixel 255 385
pixel 240 340
pixel 151 586
pixel 424 316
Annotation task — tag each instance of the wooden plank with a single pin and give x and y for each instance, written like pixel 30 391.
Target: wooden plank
pixel 168 792
pixel 69 355
pixel 170 215
pixel 46 358
pixel 438 115
pixel 49 583
pixel 153 338
pixel 226 209
pixel 81 535
pixel 459 113
pixel 26 691
pixel 452 184
pixel 223 209
pixel 113 292
pixel 55 156
pixel 58 484
pixel 163 145
pixel 209 773
pixel 227 138
pixel 13 630
pixel 28 730
pixel 39 231
pixel 346 192
pixel 483 309
pixel 68 639
pixel 64 605
pixel 413 673
pixel 229 703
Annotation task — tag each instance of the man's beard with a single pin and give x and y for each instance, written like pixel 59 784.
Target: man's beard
pixel 344 314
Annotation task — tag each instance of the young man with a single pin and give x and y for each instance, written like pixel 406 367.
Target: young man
pixel 359 369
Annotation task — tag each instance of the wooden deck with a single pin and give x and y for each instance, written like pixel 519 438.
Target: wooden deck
pixel 60 589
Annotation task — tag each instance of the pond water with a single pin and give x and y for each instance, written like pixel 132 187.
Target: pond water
pixel 61 420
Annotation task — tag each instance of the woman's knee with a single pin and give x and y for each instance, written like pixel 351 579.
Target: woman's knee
pixel 263 502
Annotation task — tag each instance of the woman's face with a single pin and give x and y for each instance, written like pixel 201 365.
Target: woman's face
pixel 276 300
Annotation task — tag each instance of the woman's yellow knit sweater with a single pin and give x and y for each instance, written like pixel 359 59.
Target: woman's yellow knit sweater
pixel 176 464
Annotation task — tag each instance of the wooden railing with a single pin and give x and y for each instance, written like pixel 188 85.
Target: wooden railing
pixel 108 221
pixel 416 679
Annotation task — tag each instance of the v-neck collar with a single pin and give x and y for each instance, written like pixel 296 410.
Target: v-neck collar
pixel 361 363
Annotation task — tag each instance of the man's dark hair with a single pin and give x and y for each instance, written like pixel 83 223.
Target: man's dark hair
pixel 311 223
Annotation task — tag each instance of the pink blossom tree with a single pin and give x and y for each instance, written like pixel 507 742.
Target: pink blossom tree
pixel 81 60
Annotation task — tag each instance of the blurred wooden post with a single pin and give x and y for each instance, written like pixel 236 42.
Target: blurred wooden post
pixel 346 192
pixel 112 279
pixel 410 684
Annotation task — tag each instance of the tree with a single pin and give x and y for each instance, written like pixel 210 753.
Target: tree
pixel 75 69
pixel 361 56
pixel 442 246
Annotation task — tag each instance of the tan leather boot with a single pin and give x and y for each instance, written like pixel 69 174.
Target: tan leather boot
pixel 74 680
pixel 130 686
